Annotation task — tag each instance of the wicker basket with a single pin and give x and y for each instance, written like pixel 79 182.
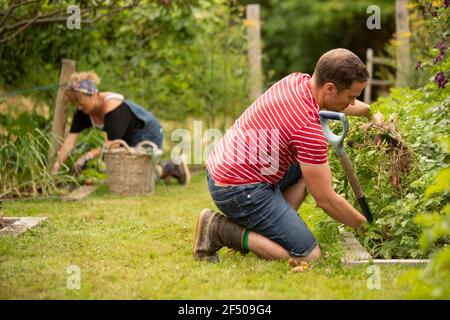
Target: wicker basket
pixel 130 170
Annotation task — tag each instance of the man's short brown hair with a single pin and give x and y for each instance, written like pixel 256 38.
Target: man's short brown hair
pixel 341 67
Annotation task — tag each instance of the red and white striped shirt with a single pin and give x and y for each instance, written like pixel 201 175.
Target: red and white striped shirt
pixel 280 128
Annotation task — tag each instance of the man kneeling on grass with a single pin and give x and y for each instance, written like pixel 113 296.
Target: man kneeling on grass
pixel 258 173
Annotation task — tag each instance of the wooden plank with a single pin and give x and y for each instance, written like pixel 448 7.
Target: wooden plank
pixel 379 82
pixel 383 61
pixel 61 108
pixel 371 60
pixel 80 193
pixel 254 50
pixel 412 262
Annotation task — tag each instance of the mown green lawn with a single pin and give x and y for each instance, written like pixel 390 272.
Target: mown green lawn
pixel 139 247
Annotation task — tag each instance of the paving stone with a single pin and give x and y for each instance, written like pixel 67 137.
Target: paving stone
pixel 18 225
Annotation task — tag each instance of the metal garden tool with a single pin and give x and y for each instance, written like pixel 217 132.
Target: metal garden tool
pixel 338 144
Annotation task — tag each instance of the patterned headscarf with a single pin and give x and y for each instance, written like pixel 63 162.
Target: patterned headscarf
pixel 84 86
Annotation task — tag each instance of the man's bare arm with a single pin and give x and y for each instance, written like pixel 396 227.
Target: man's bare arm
pixel 358 109
pixel 318 180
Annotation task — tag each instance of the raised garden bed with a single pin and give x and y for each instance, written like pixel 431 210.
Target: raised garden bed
pixel 356 254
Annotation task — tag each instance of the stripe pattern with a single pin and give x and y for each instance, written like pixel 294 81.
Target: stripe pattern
pixel 280 128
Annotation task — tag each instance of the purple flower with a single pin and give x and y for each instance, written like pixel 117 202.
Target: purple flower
pixel 436 59
pixel 440 79
pixel 431 11
pixel 418 65
pixel 442 46
pixel 446 3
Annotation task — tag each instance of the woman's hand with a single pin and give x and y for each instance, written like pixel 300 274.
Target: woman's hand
pixel 64 152
pixel 80 164
pixel 55 168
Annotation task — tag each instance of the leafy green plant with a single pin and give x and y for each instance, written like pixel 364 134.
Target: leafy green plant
pixel 433 282
pixel 398 158
pixel 396 161
pixel 24 167
pixel 430 41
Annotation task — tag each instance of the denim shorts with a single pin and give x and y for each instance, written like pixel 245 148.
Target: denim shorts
pixel 261 207
pixel 151 133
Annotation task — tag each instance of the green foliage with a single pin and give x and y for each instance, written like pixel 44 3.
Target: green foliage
pixel 430 39
pixel 393 179
pixel 23 166
pixel 183 59
pixel 23 123
pixel 433 282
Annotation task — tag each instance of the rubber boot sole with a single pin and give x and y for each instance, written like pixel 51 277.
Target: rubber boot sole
pixel 200 221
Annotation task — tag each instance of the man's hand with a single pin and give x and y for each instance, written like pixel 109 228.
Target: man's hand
pixel 377 118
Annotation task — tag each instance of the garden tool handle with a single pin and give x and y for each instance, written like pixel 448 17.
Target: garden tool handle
pixel 336 141
pixel 350 173
pixel 338 144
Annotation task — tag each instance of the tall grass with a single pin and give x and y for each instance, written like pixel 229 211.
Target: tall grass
pixel 24 168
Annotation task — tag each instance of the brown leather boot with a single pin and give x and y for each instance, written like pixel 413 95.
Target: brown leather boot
pixel 176 168
pixel 215 231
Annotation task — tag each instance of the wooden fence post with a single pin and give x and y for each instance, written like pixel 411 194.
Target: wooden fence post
pixel 403 34
pixel 254 50
pixel 371 61
pixel 369 65
pixel 61 107
pixel 1 213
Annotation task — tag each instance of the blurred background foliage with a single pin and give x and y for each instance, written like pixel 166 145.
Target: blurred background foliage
pixel 176 58
pixel 296 33
pixel 188 58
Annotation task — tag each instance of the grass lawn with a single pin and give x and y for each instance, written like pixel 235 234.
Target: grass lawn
pixel 139 247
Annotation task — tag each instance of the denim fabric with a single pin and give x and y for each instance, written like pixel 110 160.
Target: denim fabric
pixel 152 129
pixel 261 207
